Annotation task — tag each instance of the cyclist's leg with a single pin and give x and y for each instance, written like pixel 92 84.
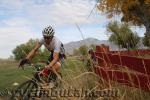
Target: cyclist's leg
pixel 57 65
pixel 55 68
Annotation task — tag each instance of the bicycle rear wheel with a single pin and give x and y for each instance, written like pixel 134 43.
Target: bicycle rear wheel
pixel 23 91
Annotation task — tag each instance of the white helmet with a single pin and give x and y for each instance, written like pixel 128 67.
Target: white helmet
pixel 48 31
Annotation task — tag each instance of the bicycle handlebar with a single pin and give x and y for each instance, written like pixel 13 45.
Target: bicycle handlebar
pixel 39 68
pixel 36 66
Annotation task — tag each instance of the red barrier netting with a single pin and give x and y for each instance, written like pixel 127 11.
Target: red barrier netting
pixel 124 59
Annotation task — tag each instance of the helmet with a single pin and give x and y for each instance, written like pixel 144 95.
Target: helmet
pixel 48 31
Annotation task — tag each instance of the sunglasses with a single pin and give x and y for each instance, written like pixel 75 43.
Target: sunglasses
pixel 46 38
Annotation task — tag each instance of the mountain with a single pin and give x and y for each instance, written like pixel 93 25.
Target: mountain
pixel 69 47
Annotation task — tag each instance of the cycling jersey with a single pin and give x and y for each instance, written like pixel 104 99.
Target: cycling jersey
pixel 54 46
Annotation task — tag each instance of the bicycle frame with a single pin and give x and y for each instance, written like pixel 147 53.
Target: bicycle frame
pixel 35 83
pixel 41 72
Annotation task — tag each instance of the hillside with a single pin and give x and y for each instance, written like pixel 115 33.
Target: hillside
pixel 69 47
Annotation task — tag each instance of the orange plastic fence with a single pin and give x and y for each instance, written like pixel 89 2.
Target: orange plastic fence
pixel 106 59
pixel 138 52
pixel 136 64
pixel 130 79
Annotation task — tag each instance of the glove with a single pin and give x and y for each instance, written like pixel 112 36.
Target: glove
pixel 24 61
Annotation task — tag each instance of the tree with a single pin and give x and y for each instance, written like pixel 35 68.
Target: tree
pixel 93 47
pixel 135 11
pixel 83 50
pixel 146 40
pixel 76 52
pixel 22 50
pixel 122 35
pixel 19 52
pixel 43 55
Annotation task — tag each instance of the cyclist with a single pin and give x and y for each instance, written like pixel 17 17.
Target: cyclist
pixel 54 45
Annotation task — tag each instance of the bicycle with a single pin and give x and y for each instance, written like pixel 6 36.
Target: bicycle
pixel 40 81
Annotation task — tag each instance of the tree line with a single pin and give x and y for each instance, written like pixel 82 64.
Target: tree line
pixel 22 50
pixel 136 12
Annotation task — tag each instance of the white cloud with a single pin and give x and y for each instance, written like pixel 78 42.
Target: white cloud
pixel 22 18
pixel 54 12
pixel 98 32
pixel 61 12
pixel 16 22
pixel 11 6
pixel 11 37
pixel 139 30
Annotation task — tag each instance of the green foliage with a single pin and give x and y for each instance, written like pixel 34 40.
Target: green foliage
pixel 122 35
pixel 146 40
pixel 76 52
pixel 18 52
pixel 74 75
pixel 136 12
pixel 22 50
pixel 83 49
pixel 43 56
pixel 93 47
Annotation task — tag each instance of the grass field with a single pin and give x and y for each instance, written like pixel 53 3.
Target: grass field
pixel 75 75
pixel 9 74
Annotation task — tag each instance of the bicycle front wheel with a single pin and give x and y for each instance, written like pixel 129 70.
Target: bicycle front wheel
pixel 23 91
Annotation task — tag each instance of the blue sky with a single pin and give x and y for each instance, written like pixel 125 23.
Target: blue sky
pixel 21 20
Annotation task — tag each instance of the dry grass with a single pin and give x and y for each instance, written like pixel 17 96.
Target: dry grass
pixel 76 76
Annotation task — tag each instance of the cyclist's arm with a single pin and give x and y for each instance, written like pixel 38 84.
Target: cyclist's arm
pixel 33 51
pixel 57 49
pixel 55 59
